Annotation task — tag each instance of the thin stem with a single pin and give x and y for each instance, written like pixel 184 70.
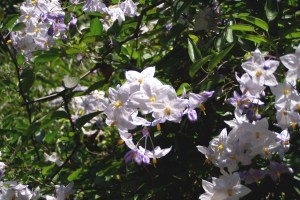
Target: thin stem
pixel 22 93
pixel 76 136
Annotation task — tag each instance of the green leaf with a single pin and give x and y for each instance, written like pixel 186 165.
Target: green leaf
pixel 117 46
pixel 254 38
pixel 70 82
pixel 293 3
pixel 27 79
pixel 253 20
pixel 197 65
pixel 45 58
pixel 242 27
pixel 47 170
pixel 184 87
pixel 217 58
pixel 73 51
pixel 75 175
pixel 292 35
pixel 52 116
pixel 271 9
pixel 9 21
pixel 19 26
pixel 89 39
pixel 193 51
pixel 20 59
pixel 96 27
pixel 180 6
pixel 80 122
pixel 1 14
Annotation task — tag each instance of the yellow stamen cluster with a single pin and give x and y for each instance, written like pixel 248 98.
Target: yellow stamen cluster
pixel 277 173
pixel 266 151
pixel 140 81
pixel 202 108
pixel 168 111
pixel 298 107
pixel 257 135
pixel 158 127
pixel 120 141
pixel 285 143
pixel 232 157
pixel 220 147
pixel 154 161
pixel 258 73
pixel 152 99
pixel 118 104
pixel 230 192
pixel 294 125
pixel 8 42
pixel 286 92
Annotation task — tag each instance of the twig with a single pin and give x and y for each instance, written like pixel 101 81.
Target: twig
pixel 22 93
pixel 76 136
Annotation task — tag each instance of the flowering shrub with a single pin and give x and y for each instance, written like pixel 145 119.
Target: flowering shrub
pixel 149 99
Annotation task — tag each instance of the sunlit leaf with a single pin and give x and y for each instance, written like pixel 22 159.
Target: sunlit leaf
pixel 9 21
pixel 70 82
pixel 75 175
pixel 217 58
pixel 96 27
pixel 242 27
pixel 45 58
pixel 81 121
pixel 271 9
pixel 19 26
pixel 198 65
pixel 253 20
pixel 184 87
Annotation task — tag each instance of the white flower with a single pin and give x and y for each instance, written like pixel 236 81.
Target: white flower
pixel 157 152
pixel 248 86
pixel 261 70
pixel 283 92
pixel 170 107
pixel 286 117
pixel 116 13
pixel 139 77
pixel 227 187
pixel 53 158
pixel 129 8
pixel 149 93
pixel 63 192
pixel 94 6
pixel 292 62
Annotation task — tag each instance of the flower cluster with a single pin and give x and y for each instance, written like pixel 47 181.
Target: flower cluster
pixel 84 105
pixel 144 95
pixel 113 13
pixel 287 99
pixel 10 190
pixel 44 22
pixel 250 136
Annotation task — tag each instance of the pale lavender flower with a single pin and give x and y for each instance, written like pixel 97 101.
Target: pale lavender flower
pixel 226 187
pixel 276 169
pixel 252 175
